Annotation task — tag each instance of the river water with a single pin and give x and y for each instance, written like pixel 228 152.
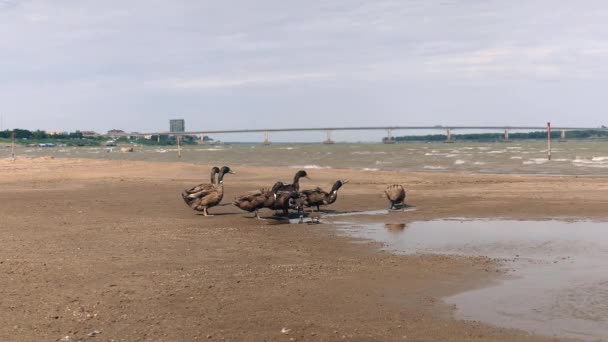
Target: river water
pixel 525 157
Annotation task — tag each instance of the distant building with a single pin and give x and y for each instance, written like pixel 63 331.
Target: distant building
pixel 116 132
pixel 89 133
pixel 177 126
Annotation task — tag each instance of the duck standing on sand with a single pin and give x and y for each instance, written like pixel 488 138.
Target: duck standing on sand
pixel 395 194
pixel 264 198
pixel 286 193
pixel 317 197
pixel 207 197
pixel 204 186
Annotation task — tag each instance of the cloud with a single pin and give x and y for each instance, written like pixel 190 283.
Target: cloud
pixel 500 62
pixel 270 79
pixel 372 59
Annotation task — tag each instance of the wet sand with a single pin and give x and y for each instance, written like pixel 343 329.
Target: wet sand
pixel 108 246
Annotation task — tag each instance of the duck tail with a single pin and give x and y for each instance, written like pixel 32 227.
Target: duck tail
pixel 185 198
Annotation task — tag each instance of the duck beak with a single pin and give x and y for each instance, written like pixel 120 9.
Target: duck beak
pixel 345 181
pixel 232 172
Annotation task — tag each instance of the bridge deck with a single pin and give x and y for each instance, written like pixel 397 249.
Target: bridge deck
pixel 366 128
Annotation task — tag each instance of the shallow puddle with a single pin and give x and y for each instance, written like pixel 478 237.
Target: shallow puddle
pixel 320 217
pixel 369 212
pixel 558 279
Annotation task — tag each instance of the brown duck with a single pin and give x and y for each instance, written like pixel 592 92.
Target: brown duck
pixel 395 194
pixel 286 193
pixel 317 197
pixel 263 198
pixel 207 197
pixel 204 186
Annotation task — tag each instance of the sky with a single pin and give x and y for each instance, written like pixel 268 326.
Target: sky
pixel 133 65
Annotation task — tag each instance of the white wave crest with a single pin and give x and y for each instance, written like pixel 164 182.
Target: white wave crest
pixel 309 167
pixel 535 161
pixel 363 153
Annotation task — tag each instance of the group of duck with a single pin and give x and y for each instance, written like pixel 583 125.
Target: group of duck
pixel 280 197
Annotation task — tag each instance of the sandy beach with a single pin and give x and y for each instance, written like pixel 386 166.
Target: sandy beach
pixel 107 250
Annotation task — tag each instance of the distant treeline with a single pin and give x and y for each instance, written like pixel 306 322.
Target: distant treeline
pixel 39 135
pixel 587 134
pixel 24 136
pixel 77 138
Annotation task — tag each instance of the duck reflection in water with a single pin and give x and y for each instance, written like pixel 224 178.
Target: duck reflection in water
pixel 395 227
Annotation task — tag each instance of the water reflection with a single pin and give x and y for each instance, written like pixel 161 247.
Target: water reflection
pixel 395 227
pixel 560 282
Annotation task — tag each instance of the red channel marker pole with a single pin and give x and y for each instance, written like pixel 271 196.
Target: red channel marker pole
pixel 548 140
pixel 13 145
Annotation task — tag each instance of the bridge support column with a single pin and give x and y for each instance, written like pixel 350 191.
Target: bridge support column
pixel 448 134
pixel 328 139
pixel 562 137
pixel 389 137
pixel 266 138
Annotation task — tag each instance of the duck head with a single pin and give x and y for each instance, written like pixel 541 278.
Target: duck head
pixel 300 174
pixel 224 171
pixel 338 184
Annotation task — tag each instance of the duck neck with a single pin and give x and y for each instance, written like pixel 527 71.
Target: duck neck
pixel 213 173
pixel 220 178
pixel 296 182
pixel 333 194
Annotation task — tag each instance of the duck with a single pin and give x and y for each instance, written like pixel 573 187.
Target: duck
pixel 395 194
pixel 208 197
pixel 286 193
pixel 204 186
pixel 295 186
pixel 253 202
pixel 317 197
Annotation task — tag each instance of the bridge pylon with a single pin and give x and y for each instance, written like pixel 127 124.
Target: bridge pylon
pixel 389 137
pixel 448 134
pixel 506 136
pixel 266 138
pixel 328 139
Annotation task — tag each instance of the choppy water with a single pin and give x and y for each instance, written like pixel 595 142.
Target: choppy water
pixel 530 157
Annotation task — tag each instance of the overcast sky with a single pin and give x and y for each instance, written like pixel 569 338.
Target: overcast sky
pixel 133 65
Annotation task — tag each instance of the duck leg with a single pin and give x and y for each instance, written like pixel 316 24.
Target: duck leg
pixel 206 212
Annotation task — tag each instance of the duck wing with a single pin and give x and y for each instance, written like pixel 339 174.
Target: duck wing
pixel 207 201
pixel 284 187
pixel 315 196
pixel 199 188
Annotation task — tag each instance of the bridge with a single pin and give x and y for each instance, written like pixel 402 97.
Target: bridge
pixel 388 129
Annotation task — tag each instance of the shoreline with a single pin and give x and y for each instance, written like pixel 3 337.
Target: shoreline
pixel 258 277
